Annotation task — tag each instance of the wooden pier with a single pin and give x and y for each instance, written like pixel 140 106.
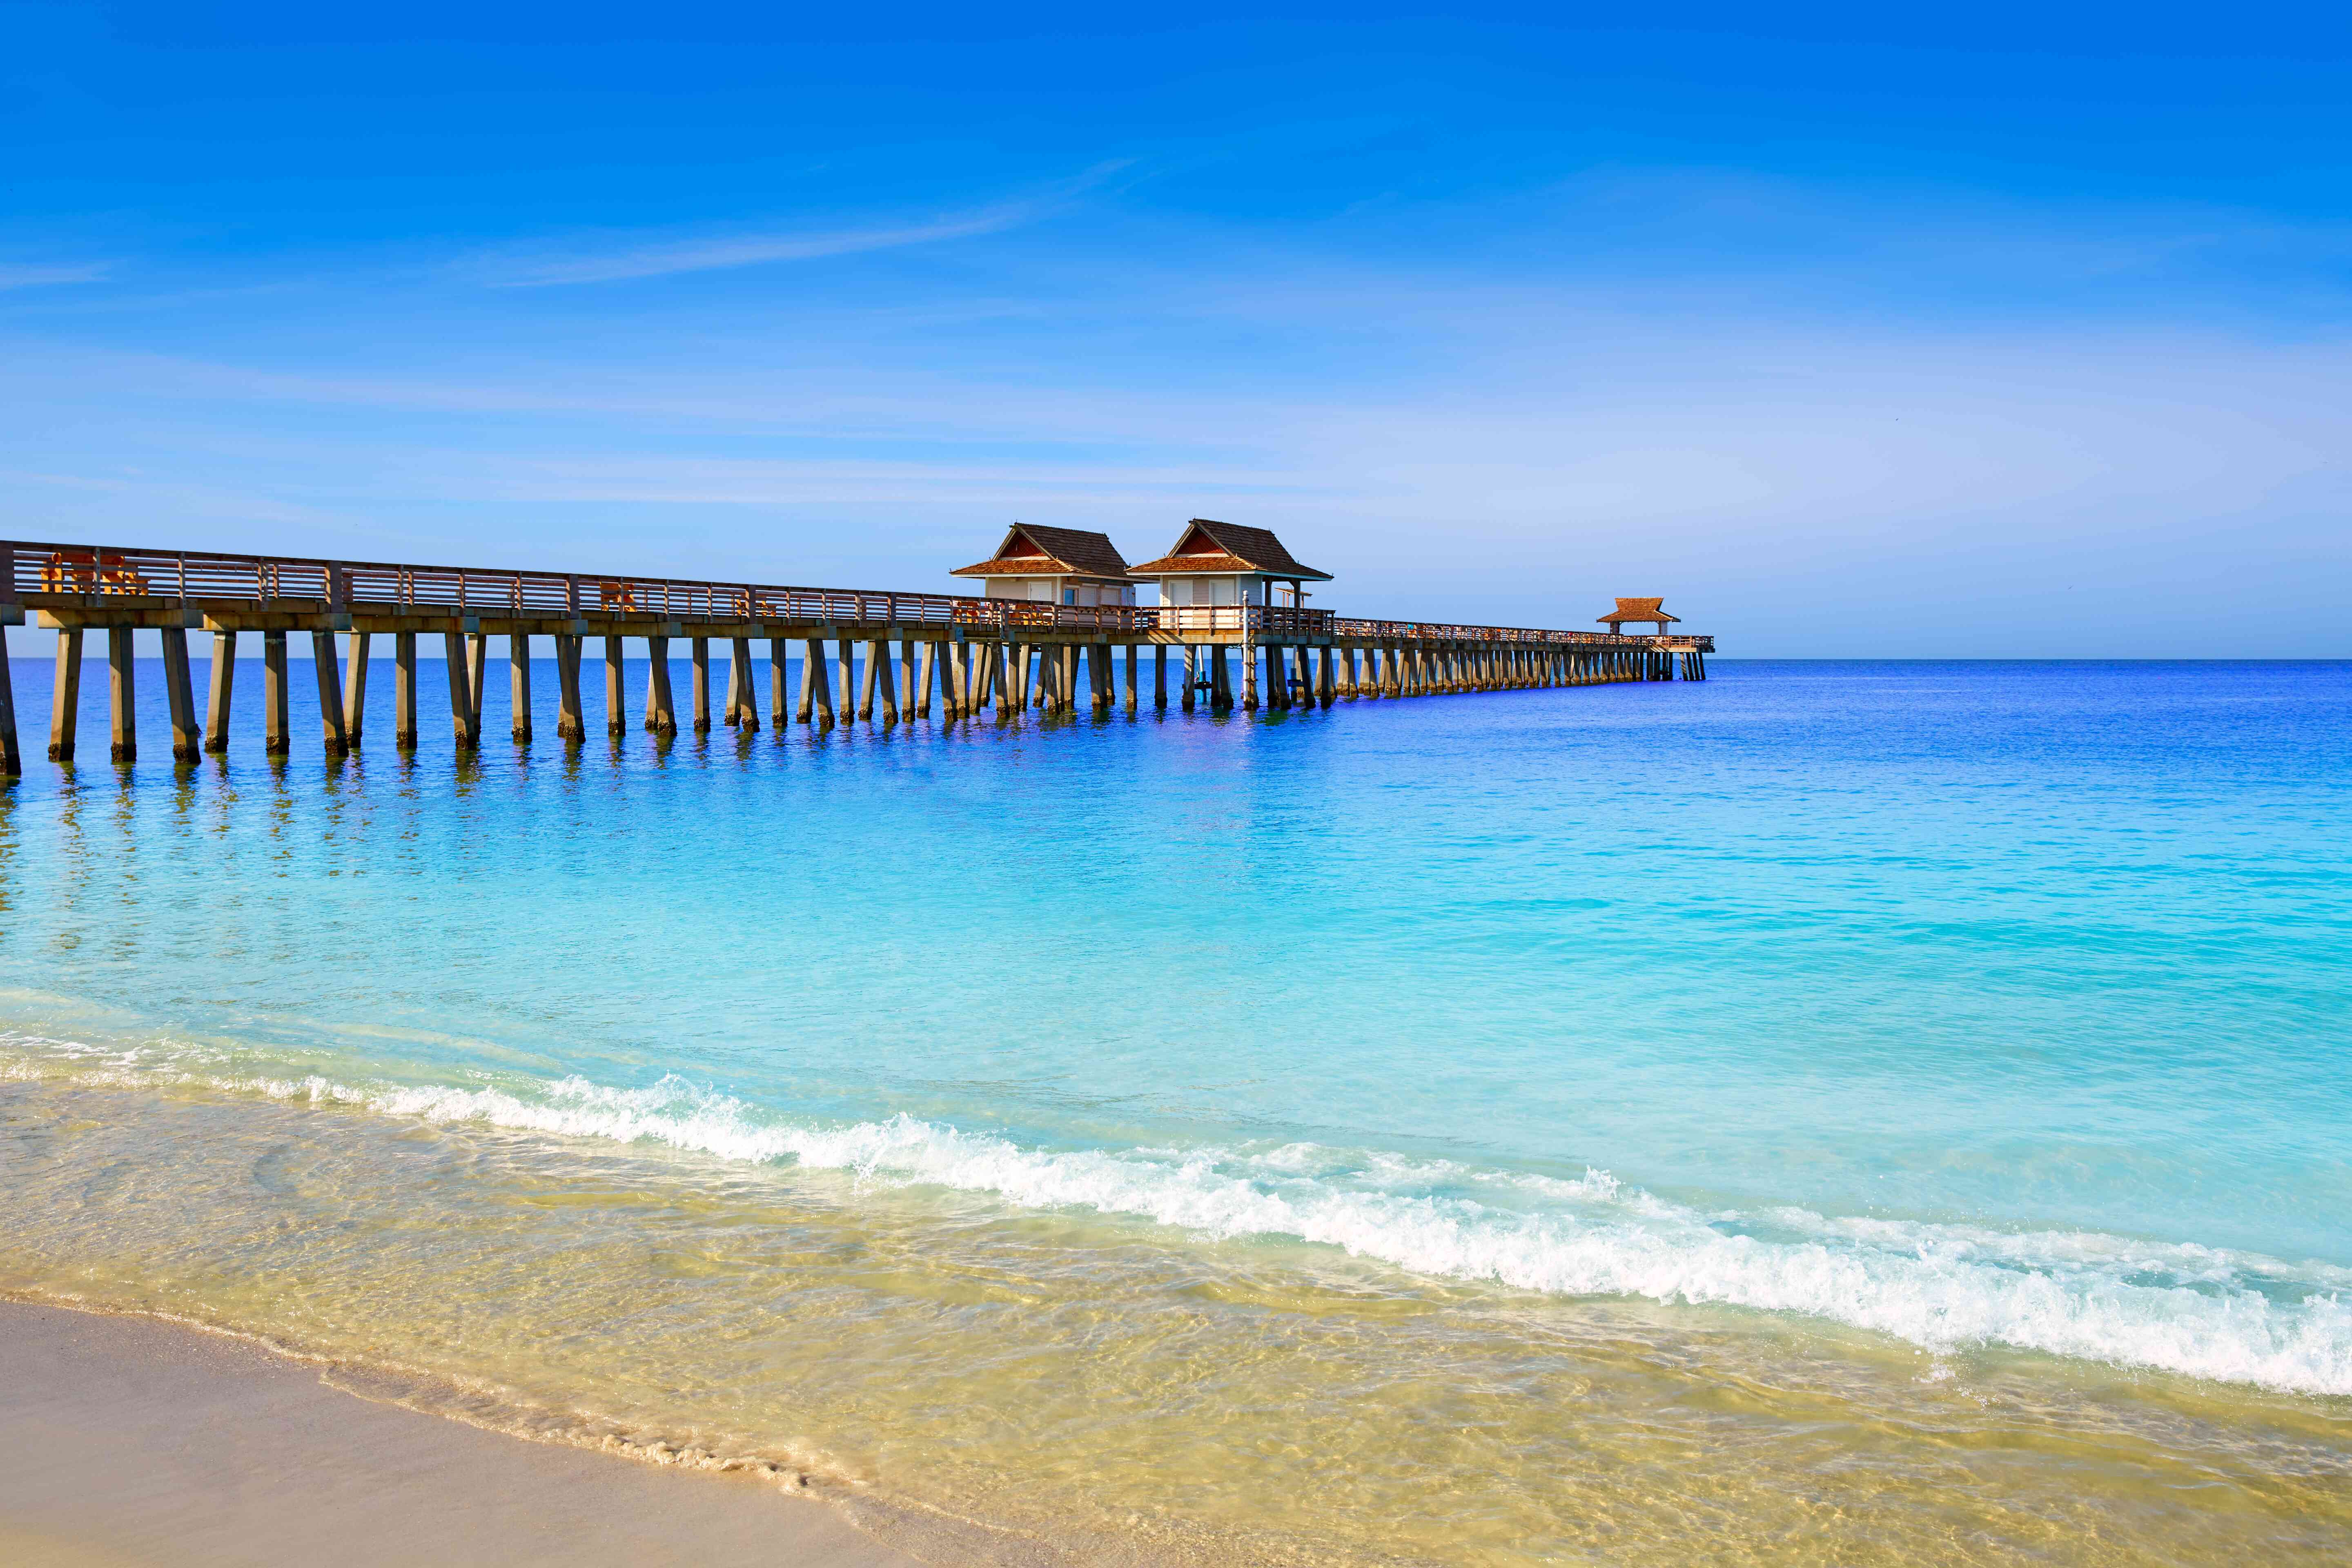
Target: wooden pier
pixel 966 655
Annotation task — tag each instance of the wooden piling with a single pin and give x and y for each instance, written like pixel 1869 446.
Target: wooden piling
pixel 926 666
pixel 276 741
pixel 848 674
pixel 65 695
pixel 745 684
pixel 518 688
pixel 12 760
pixel 122 702
pixel 778 683
pixel 616 707
pixel 1192 677
pixel 1159 676
pixel 331 695
pixel 477 669
pixel 882 662
pixel 1131 693
pixel 816 686
pixel 661 709
pixel 698 664
pixel 571 715
pixel 464 718
pixel 221 679
pixel 869 682
pixel 355 674
pixel 909 656
pixel 186 737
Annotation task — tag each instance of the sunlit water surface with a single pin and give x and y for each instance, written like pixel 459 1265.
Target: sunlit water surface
pixel 1862 1113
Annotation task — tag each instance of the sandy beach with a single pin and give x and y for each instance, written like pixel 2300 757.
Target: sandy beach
pixel 134 1441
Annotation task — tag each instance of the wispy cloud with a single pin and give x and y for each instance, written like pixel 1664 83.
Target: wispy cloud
pixel 615 257
pixel 26 275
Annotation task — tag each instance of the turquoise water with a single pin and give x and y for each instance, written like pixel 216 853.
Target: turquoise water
pixel 1954 1005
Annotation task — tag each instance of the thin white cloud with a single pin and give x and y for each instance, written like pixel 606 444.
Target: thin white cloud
pixel 22 275
pixel 622 256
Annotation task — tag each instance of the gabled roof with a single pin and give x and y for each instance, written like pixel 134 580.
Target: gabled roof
pixel 1637 610
pixel 1209 546
pixel 1033 552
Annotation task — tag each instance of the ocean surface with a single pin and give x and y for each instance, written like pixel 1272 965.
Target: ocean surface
pixel 1857 1112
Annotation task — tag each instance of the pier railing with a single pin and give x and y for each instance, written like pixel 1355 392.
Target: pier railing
pixel 99 577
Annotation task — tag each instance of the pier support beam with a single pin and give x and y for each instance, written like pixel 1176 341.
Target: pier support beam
pixel 661 711
pixel 1220 680
pixel 65 695
pixel 699 660
pixel 12 760
pixel 222 680
pixel 616 707
pixel 778 680
pixel 925 668
pixel 336 739
pixel 1249 679
pixel 870 682
pixel 464 718
pixel 1132 695
pixel 276 740
pixel 122 699
pixel 1160 677
pixel 404 691
pixel 355 674
pixel 571 715
pixel 848 672
pixel 478 667
pixel 816 686
pixel 1098 657
pixel 890 684
pixel 519 686
pixel 746 685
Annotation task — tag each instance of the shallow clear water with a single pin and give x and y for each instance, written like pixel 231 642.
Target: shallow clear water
pixel 1838 1111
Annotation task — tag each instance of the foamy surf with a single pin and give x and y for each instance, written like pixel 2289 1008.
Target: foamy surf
pixel 2168 1306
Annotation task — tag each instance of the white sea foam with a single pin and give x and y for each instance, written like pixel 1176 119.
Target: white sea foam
pixel 2205 1312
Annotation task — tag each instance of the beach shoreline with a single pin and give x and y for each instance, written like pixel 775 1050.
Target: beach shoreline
pixel 133 1440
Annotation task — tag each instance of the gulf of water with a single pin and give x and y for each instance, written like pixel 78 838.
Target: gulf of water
pixel 1855 1112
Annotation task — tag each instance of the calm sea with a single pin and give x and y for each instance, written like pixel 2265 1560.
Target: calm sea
pixel 1838 1111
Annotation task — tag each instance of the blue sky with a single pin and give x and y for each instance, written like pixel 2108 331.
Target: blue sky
pixel 2017 333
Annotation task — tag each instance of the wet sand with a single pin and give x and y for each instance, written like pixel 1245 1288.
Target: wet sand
pixel 132 1441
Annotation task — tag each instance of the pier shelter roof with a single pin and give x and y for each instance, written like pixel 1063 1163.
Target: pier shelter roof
pixel 1638 610
pixel 1226 549
pixel 1032 551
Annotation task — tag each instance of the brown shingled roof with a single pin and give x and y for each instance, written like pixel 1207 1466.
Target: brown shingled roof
pixel 1208 545
pixel 1035 552
pixel 1637 610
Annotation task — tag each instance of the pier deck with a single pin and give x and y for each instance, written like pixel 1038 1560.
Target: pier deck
pixel 975 652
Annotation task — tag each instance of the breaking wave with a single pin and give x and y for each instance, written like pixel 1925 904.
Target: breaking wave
pixel 2176 1308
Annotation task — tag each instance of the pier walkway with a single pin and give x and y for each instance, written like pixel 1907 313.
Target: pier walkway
pixel 967 652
